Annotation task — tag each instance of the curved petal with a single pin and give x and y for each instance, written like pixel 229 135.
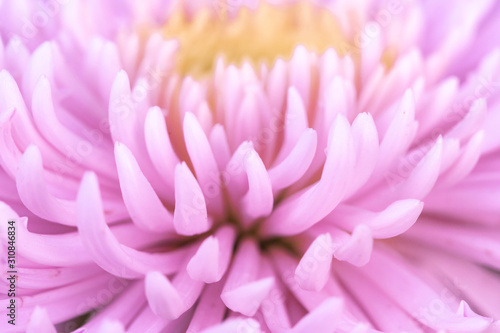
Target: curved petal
pixel 159 146
pixel 143 205
pixel 105 249
pixel 296 163
pixel 35 195
pixel 258 201
pixel 306 208
pixel 40 322
pixel 204 163
pixel 329 311
pixel 212 258
pixel 190 214
pixel 169 300
pixel 314 267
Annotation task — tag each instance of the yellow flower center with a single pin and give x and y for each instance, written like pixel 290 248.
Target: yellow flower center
pixel 259 36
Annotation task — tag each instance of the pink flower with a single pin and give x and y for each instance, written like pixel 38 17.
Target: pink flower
pixel 290 167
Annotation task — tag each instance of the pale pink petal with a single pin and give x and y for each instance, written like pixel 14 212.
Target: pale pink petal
pixel 210 309
pixel 35 194
pixel 295 122
pixel 169 300
pixel 104 248
pixel 243 291
pixel 330 310
pixel 159 146
pixel 258 201
pixel 247 325
pixel 204 163
pixel 143 204
pixel 40 322
pixel 212 258
pixel 190 214
pixel 314 268
pixel 296 163
pixel 304 209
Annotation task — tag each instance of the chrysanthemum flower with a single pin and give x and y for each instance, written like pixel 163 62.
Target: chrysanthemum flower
pixel 243 166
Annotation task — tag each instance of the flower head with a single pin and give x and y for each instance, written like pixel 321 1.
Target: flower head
pixel 250 166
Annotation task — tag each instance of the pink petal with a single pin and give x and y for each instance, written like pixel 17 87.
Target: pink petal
pixel 81 150
pixel 169 300
pixel 243 292
pixel 365 138
pixel 300 72
pixel 142 202
pixel 210 309
pixel 258 201
pixel 304 209
pixel 190 215
pixel 35 194
pixel 296 163
pixel 211 260
pixel 313 270
pixel 39 322
pixel 466 162
pixel 104 248
pixel 204 163
pixel 109 326
pixel 357 250
pixel 247 325
pixel 390 222
pixel 220 146
pixel 324 318
pixel 159 146
pixel 54 250
pixel 295 122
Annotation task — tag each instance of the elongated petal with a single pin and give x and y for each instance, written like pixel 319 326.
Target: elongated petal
pixel 212 258
pixel 204 163
pixel 143 205
pixel 243 291
pixel 105 249
pixel 258 201
pixel 190 215
pixel 390 222
pixel 304 209
pixel 159 146
pixel 169 300
pixel 295 164
pixel 295 122
pixel 40 322
pixel 210 309
pixel 35 194
pixel 314 268
pixel 234 325
pixel 330 310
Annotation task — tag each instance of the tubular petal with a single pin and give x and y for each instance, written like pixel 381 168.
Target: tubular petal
pixel 169 300
pixel 304 209
pixel 247 325
pixel 211 260
pixel 296 163
pixel 104 248
pixel 204 163
pixel 314 268
pixel 190 214
pixel 329 311
pixel 143 204
pixel 159 146
pixel 35 194
pixel 258 201
pixel 40 322
pixel 210 309
pixel 243 292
